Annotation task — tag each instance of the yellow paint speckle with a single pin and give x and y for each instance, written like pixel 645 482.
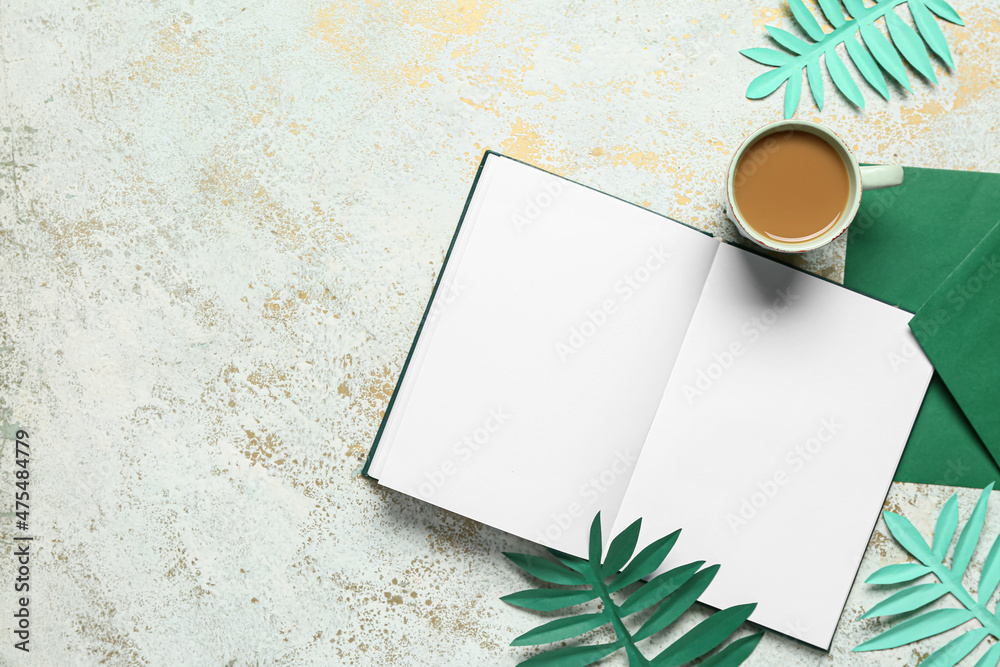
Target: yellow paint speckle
pixel 766 15
pixel 524 144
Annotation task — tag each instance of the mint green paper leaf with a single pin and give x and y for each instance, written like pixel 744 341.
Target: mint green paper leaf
pixel 787 40
pixel 877 51
pixel 572 562
pixel 677 603
pixel 704 637
pixel 866 65
pixel 854 7
pixel 595 543
pixel 885 54
pixel 921 627
pixel 914 597
pixel 645 563
pixel 944 531
pixel 806 20
pixel 910 45
pixel 793 92
pixel 546 570
pixel 908 599
pixel 815 76
pixel 909 537
pixel 831 10
pixel 767 83
pixel 561 628
pixel 548 599
pixel 621 549
pixel 990 658
pixel 571 656
pixel 990 576
pixel 959 647
pixel 945 11
pixel 842 79
pixel 659 588
pixel 734 654
pixel 931 31
pixel 772 57
pixel 969 537
pixel 898 574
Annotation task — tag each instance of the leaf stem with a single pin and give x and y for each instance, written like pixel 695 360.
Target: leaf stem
pixel 833 38
pixel 954 584
pixel 635 657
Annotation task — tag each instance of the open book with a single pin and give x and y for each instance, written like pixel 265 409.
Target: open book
pixel 580 353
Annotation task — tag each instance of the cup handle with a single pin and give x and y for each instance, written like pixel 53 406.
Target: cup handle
pixel 878 176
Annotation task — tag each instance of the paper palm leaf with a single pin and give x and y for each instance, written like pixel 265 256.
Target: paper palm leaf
pixel 912 598
pixel 674 591
pixel 880 54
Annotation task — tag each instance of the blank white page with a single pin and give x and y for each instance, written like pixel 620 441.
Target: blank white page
pixel 548 346
pixel 777 438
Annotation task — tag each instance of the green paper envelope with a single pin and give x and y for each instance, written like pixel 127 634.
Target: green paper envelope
pixel 959 328
pixel 904 243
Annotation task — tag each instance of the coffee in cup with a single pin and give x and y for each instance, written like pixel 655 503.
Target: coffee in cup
pixel 794 186
pixel 791 186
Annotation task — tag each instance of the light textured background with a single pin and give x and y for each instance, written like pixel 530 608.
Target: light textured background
pixel 219 225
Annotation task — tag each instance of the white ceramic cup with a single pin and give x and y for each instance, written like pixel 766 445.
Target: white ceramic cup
pixel 861 178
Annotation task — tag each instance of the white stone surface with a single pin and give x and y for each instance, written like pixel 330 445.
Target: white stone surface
pixel 219 225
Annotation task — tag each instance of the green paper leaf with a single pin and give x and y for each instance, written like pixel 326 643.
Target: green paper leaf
pixel 921 627
pixel 548 599
pixel 969 538
pixel 815 76
pixel 885 54
pixel 561 628
pixel 806 20
pixel 944 530
pixel 546 570
pixel 990 658
pixel 866 65
pixel 910 45
pixel 787 40
pixel 704 637
pixel 621 549
pixel 646 562
pixel 659 588
pixel 767 83
pixel 959 647
pixel 674 592
pixel 930 31
pixel 571 656
pixel 854 7
pixel 898 574
pixel 842 79
pixel 734 654
pixel 772 57
pixel 945 11
pixel 908 599
pixel 793 91
pixel 581 565
pixel 909 537
pixel 595 543
pixel 832 12
pixel 676 603
pixel 990 576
